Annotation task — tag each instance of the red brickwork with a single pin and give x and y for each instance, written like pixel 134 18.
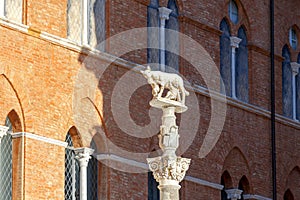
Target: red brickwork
pixel 38 78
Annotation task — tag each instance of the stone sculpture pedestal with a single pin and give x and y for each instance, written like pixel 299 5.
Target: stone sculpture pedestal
pixel 168 169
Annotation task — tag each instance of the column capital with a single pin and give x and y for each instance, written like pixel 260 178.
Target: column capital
pixel 83 155
pixel 3 131
pixel 295 67
pixel 168 170
pixel 164 13
pixel 234 194
pixel 235 41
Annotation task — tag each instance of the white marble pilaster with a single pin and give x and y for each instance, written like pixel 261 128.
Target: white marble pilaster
pixel 83 155
pixel 234 43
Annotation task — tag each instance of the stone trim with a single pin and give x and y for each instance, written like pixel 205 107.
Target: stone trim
pixel 122 160
pixel 204 183
pixel 39 138
pixel 242 105
pixel 254 196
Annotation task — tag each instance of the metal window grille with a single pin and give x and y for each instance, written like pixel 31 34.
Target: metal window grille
pixel 13 10
pixel 74 20
pixel 72 178
pixel 92 177
pixel 6 164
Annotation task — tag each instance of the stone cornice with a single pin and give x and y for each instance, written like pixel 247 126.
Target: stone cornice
pixel 264 52
pixel 39 138
pixel 245 106
pixel 254 196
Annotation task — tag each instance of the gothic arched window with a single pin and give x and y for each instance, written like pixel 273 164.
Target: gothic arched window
pixel 92 176
pixel 288 195
pixel 241 75
pixel 172 38
pixel 225 58
pixel 6 163
pixel 72 178
pixel 287 90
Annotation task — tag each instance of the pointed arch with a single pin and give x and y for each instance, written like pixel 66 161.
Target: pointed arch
pixel 288 195
pixel 72 179
pixel 15 121
pixel 244 185
pixel 225 57
pixel 237 165
pixel 172 38
pixel 226 181
pixel 13 103
pixel 293 181
pixel 287 94
pixel 92 174
pixel 242 67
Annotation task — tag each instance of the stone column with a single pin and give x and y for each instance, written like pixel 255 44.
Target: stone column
pixel 85 22
pixel 168 169
pixel 163 16
pixel 234 43
pixel 234 194
pixel 83 155
pixel 3 132
pixel 295 70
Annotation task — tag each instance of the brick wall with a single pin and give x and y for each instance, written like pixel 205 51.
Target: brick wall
pixel 39 78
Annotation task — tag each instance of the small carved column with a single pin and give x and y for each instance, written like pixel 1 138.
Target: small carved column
pixel 3 132
pixel 234 43
pixel 163 15
pixel 168 169
pixel 234 194
pixel 83 155
pixel 295 70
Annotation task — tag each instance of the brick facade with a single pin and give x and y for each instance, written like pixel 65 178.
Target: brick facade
pixel 51 86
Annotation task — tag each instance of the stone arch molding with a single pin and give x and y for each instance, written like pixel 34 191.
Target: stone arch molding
pixel 237 166
pixel 293 182
pixel 11 102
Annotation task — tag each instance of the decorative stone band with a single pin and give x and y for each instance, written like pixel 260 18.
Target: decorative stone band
pixel 254 196
pixel 40 138
pixel 168 168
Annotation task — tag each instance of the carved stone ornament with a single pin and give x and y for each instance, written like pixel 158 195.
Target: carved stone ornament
pixel 166 168
pixel 174 85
